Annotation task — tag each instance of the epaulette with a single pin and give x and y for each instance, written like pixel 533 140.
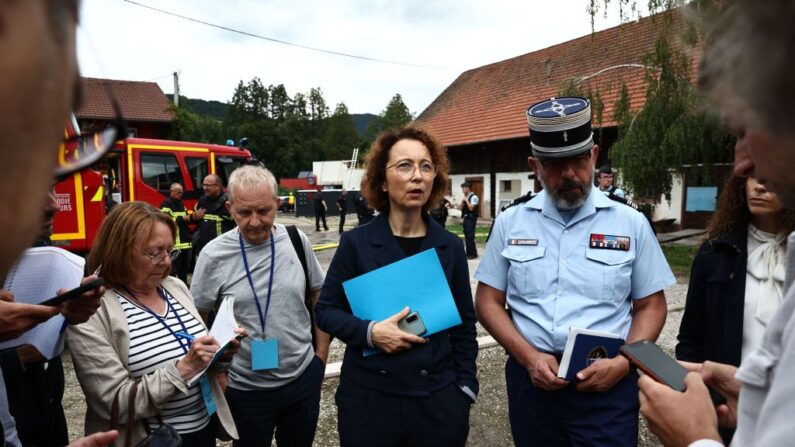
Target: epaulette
pixel 525 198
pixel 518 201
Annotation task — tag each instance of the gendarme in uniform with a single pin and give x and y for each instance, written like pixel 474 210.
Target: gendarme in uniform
pixel 556 268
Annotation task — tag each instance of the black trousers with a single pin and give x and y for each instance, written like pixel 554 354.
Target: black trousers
pixel 291 411
pixel 469 236
pixel 320 215
pixel 368 417
pixel 34 399
pixel 568 417
pixel 342 220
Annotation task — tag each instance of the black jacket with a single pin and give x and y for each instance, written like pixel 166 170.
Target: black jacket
pixel 712 325
pixel 176 209
pixel 216 221
pixel 448 356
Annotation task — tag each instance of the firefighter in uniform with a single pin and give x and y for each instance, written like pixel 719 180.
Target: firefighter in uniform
pixel 570 257
pixel 174 207
pixel 211 213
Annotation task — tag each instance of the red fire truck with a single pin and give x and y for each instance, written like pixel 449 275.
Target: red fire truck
pixel 136 169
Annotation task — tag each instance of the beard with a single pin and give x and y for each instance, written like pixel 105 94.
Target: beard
pixel 569 195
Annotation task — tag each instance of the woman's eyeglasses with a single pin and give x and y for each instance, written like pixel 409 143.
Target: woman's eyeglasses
pixel 159 256
pixel 406 168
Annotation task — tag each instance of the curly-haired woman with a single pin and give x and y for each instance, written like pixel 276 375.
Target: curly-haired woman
pixel 737 276
pixel 417 391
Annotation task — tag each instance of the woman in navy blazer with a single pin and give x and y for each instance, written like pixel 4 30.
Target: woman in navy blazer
pixel 416 391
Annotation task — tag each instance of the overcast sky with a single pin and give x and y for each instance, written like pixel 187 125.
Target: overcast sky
pixel 440 38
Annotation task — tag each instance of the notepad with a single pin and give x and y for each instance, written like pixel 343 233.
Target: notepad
pixel 417 281
pixel 585 346
pixel 36 277
pixel 223 331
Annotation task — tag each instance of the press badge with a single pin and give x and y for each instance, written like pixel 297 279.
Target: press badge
pixel 609 242
pixel 207 395
pixel 529 242
pixel 264 354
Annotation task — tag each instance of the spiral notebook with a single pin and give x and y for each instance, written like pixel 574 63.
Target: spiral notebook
pixel 36 277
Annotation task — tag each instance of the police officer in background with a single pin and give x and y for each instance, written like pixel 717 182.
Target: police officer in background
pixel 174 207
pixel 606 179
pixel 211 212
pixel 547 260
pixel 469 215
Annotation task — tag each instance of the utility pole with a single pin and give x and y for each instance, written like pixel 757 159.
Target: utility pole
pixel 176 89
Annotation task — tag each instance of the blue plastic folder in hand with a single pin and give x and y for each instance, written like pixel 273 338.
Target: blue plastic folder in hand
pixel 417 282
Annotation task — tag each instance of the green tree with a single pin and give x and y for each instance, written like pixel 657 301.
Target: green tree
pixel 395 115
pixel 670 131
pixel 188 126
pixel 340 136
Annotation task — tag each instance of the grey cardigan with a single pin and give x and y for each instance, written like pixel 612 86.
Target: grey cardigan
pixel 100 352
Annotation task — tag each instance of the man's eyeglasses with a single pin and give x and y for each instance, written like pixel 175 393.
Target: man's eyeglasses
pixel 208 185
pixel 559 164
pixel 78 151
pixel 406 168
pixel 159 256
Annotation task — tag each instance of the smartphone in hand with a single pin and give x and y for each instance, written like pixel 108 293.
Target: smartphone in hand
pixel 412 323
pixel 74 293
pixel 654 362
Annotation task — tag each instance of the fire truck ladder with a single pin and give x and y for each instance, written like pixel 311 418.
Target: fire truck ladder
pixel 352 166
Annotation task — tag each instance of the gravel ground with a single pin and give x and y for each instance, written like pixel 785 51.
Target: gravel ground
pixel 489 416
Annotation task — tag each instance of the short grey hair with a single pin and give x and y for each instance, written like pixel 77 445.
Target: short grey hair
pixel 748 60
pixel 248 177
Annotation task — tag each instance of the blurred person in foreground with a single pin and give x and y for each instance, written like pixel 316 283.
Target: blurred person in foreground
pixel 737 277
pixel 38 81
pixel 746 71
pixel 132 350
pixel 34 384
pixel 417 391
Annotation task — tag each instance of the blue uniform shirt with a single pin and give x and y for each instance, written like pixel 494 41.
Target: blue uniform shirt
pixel 557 274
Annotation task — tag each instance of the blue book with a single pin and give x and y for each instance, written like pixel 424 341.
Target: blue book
pixel 585 346
pixel 417 282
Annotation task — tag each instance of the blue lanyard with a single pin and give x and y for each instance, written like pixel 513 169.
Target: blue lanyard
pixel 251 281
pixel 184 344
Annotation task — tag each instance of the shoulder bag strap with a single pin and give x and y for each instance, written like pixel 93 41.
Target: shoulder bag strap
pixel 298 246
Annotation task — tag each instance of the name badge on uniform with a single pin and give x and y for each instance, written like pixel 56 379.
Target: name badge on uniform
pixel 530 242
pixel 610 242
pixel 264 354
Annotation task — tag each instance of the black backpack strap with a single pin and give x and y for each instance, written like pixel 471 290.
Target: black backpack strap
pixel 298 246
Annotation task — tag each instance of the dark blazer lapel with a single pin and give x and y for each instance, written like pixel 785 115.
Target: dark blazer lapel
pixel 385 249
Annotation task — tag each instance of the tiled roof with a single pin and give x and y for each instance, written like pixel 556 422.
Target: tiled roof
pixel 139 101
pixel 489 103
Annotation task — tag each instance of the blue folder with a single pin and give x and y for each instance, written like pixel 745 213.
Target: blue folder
pixel 583 347
pixel 417 282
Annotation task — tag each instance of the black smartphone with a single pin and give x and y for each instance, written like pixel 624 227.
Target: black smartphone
pixel 412 323
pixel 74 293
pixel 649 358
pixel 654 362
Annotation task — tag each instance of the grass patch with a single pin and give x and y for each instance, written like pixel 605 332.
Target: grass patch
pixel 481 232
pixel 680 258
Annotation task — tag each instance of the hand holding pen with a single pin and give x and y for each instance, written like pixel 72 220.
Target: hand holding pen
pixel 202 350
